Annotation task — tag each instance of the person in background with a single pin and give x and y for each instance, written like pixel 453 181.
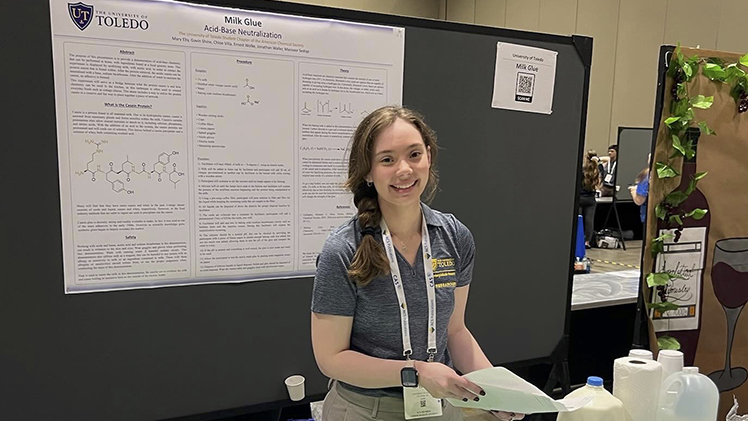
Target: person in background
pixel 609 178
pixel 640 190
pixel 590 184
pixel 600 166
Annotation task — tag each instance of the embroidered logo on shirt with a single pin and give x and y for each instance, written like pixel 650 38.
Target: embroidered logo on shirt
pixel 446 285
pixel 444 267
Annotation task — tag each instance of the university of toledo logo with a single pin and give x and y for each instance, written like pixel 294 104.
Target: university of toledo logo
pixel 81 13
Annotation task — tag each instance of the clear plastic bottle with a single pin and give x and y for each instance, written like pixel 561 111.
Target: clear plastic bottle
pixel 688 396
pixel 605 406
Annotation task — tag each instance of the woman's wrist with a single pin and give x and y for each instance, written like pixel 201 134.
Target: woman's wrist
pixel 422 368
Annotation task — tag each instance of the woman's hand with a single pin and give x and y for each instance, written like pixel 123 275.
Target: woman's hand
pixel 632 191
pixel 507 416
pixel 443 382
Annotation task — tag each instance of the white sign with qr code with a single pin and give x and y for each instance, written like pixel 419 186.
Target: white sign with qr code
pixel 524 78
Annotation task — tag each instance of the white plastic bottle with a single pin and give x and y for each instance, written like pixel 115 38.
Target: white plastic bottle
pixel 688 396
pixel 604 406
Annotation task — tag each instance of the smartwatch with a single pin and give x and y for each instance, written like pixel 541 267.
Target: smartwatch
pixel 409 375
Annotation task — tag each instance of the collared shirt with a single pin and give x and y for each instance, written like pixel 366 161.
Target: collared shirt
pixel 374 308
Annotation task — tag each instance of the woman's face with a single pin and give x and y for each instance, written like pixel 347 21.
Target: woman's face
pixel 400 164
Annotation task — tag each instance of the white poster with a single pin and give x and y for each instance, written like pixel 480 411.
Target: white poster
pixel 685 259
pixel 200 144
pixel 524 78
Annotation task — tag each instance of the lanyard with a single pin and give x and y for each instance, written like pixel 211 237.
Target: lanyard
pixel 397 281
pixel 611 168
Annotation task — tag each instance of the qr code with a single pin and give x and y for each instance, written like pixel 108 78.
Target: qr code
pixel 423 402
pixel 525 87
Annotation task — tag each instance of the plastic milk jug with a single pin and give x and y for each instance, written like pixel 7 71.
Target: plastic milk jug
pixel 605 406
pixel 688 395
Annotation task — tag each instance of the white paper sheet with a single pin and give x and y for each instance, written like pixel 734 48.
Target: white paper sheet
pixel 524 78
pixel 505 391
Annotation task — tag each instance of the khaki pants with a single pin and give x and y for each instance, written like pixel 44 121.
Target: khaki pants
pixel 343 405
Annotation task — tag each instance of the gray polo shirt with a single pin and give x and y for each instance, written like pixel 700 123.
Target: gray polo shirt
pixel 374 308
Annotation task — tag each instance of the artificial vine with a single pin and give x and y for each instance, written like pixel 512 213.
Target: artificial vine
pixel 682 117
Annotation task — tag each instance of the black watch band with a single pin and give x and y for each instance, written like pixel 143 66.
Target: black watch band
pixel 409 375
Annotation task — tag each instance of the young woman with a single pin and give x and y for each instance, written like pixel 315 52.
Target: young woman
pixel 587 203
pixel 390 339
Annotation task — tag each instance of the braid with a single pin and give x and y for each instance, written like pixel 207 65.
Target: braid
pixel 370 259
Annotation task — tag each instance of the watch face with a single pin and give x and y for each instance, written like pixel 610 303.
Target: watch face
pixel 409 377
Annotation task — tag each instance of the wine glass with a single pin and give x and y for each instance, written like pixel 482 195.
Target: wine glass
pixel 730 281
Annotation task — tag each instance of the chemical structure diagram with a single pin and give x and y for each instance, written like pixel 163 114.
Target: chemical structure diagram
pixel 250 101
pixel 346 108
pixel 325 108
pixel 305 110
pixel 163 169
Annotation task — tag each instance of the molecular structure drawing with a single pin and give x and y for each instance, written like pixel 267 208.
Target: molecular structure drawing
pixel 162 169
pixel 250 101
pixel 346 108
pixel 305 110
pixel 325 108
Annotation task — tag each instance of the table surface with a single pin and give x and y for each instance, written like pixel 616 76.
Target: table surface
pixel 593 290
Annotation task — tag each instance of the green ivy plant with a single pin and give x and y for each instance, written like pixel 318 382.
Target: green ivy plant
pixel 682 116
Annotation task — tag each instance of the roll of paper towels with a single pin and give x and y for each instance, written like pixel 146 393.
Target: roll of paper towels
pixel 636 382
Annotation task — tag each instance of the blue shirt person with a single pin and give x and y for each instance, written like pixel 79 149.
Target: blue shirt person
pixel 639 193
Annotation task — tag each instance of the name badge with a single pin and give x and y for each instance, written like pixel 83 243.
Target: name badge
pixel 419 403
pixel 609 178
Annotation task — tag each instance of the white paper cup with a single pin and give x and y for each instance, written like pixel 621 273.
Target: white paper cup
pixel 672 362
pixel 642 354
pixel 295 386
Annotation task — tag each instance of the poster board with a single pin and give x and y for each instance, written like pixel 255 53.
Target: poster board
pixel 206 145
pixel 634 144
pixel 721 155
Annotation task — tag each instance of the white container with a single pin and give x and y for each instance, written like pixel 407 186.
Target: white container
pixel 688 396
pixel 672 362
pixel 295 386
pixel 604 406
